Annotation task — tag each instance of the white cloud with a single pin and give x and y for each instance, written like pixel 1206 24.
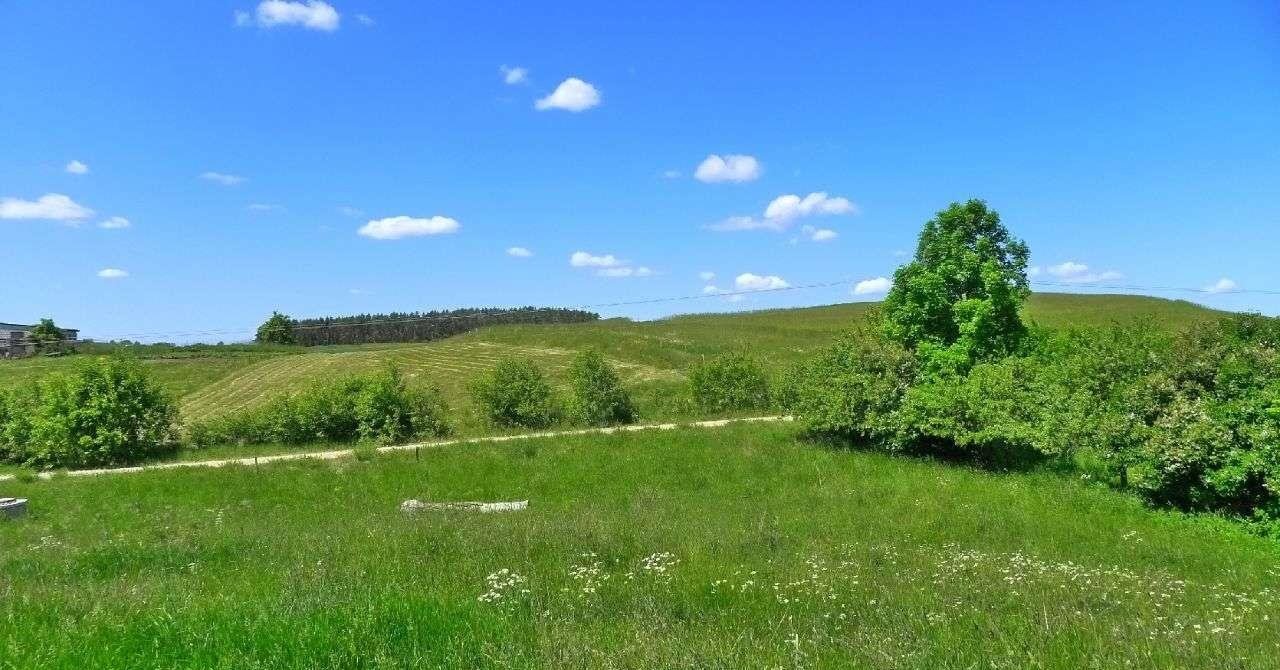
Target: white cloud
pixel 790 207
pixel 872 286
pixel 583 259
pixel 222 178
pixel 670 174
pixel 753 282
pixel 519 252
pixel 573 95
pixel 396 227
pixel 51 206
pixel 76 167
pixel 625 271
pixel 706 275
pixel 309 14
pixel 710 288
pixel 514 75
pixel 365 19
pixel 1079 273
pixel 115 223
pixel 784 210
pixel 1223 285
pixel 732 167
pixel 819 234
pixel 112 273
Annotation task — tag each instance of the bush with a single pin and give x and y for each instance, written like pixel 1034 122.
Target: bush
pixel 852 390
pixel 376 407
pixel 516 394
pixel 106 412
pixel 598 397
pixel 729 382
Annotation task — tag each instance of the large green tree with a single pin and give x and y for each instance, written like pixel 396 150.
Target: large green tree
pixel 46 335
pixel 958 299
pixel 278 329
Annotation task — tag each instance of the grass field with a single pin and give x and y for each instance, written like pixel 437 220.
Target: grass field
pixel 651 355
pixel 730 548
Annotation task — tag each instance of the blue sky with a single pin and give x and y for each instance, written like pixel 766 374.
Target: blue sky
pixel 247 145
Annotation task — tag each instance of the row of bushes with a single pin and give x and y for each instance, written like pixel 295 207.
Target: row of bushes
pixel 1187 420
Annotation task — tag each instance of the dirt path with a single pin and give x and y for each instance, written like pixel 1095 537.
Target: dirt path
pixel 344 453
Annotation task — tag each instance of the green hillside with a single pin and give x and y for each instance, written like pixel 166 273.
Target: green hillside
pixel 651 355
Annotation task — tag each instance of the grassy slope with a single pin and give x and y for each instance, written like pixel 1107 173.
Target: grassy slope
pixel 788 555
pixel 652 355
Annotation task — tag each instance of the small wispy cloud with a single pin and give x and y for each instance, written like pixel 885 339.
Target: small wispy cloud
pixel 873 286
pixel 1223 285
pixel 365 20
pixel 819 234
pixel 50 206
pixel 513 75
pixel 729 168
pixel 309 14
pixel 398 227
pixel 753 282
pixel 519 252
pixel 76 167
pixel 572 95
pixel 112 273
pixel 222 178
pixel 783 211
pixel 1073 272
pixel 115 223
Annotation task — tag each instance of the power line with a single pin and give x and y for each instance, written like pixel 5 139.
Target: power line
pixel 681 298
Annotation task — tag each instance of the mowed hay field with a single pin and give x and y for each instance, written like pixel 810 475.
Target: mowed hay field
pixel 742 547
pixel 651 356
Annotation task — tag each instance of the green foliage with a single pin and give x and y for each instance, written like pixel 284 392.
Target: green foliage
pixel 729 382
pixel 958 300
pixel 106 412
pixel 277 329
pixel 853 389
pixel 375 407
pixel 598 398
pixel 47 335
pixel 514 394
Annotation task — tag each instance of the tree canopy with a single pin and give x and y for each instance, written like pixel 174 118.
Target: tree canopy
pixel 278 329
pixel 959 297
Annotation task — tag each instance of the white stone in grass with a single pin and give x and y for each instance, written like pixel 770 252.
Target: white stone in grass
pixel 12 508
pixel 483 507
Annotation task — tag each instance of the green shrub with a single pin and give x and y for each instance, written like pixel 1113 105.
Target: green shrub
pixel 853 389
pixel 598 398
pixel 515 393
pixel 729 382
pixel 105 412
pixel 376 407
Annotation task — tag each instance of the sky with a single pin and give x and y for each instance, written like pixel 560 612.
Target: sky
pixel 176 171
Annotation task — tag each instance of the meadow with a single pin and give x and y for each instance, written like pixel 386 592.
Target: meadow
pixel 738 547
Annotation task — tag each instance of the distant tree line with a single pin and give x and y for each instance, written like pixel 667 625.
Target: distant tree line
pixel 407 326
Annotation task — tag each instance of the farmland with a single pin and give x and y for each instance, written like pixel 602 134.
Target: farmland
pixel 740 547
pixel 651 356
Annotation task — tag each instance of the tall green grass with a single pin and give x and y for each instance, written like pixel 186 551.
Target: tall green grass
pixel 742 547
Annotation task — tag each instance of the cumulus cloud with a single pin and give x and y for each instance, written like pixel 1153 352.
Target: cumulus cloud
pixel 222 178
pixel 76 167
pixel 397 227
pixel 514 75
pixel 873 286
pixel 783 211
pixel 753 282
pixel 115 223
pixel 584 259
pixel 519 252
pixel 50 206
pixel 785 208
pixel 112 273
pixel 819 234
pixel 310 14
pixel 572 95
pixel 1223 285
pixel 1080 273
pixel 731 168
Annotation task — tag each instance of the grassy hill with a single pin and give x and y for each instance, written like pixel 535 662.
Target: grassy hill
pixel 652 355
pixel 734 548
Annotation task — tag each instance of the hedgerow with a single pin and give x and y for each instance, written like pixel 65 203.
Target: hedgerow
pixel 375 407
pixel 105 412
